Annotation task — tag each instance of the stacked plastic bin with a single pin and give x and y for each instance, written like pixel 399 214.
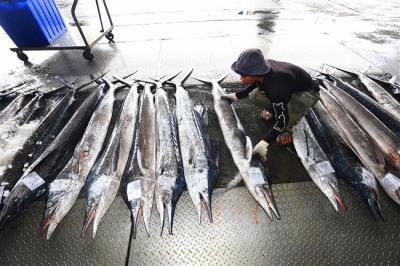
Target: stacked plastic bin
pixel 31 23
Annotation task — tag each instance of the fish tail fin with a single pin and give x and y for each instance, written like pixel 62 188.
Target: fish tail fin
pixel 182 81
pixel 223 76
pixel 169 78
pixel 207 81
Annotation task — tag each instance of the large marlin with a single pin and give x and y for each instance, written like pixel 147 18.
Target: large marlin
pixel 383 137
pixel 103 187
pixel 170 181
pixel 317 164
pixel 343 160
pixel 238 143
pixel 141 178
pixel 43 171
pixel 64 190
pixel 199 164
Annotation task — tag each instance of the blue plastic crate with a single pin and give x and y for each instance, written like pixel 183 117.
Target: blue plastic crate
pixel 31 23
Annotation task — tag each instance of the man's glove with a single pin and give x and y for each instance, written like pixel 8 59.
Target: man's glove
pixel 261 150
pixel 231 97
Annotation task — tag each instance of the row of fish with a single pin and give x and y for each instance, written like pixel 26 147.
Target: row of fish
pixel 355 136
pixel 154 148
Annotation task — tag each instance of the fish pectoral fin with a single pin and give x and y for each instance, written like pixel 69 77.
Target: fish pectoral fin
pixel 192 156
pixel 214 147
pixel 249 148
pixel 233 183
pixel 141 164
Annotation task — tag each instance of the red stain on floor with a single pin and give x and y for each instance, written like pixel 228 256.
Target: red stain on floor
pixel 217 215
pixel 256 214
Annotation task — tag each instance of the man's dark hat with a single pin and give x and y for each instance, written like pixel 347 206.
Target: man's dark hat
pixel 251 62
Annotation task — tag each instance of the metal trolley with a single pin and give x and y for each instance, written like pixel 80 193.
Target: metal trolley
pixel 62 44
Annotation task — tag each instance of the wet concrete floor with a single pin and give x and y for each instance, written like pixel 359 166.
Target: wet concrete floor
pixel 163 37
pixel 160 38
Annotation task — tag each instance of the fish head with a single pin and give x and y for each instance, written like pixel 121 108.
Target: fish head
pixel 99 198
pixel 369 191
pixel 61 197
pixel 391 184
pixel 19 199
pixel 368 180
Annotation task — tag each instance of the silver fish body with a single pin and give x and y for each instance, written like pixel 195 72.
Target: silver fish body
pixel 193 146
pixel 384 98
pixel 238 143
pixel 103 187
pixel 145 156
pixel 317 164
pixel 64 190
pixel 364 148
pixel 11 109
pixel 353 135
pixel 169 172
pixel 382 136
pixel 50 163
pixel 343 159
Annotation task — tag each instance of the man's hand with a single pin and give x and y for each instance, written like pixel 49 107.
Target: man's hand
pixel 231 97
pixel 261 150
pixel 266 115
pixel 284 139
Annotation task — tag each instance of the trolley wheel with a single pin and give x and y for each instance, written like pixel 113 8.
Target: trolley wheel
pixel 110 36
pixel 22 56
pixel 87 54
